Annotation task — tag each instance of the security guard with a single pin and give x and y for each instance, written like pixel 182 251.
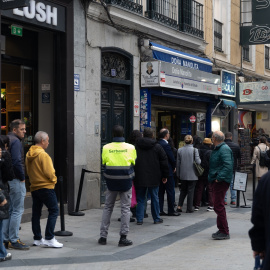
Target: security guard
pixel 119 160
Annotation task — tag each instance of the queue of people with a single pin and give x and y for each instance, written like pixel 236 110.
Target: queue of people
pixel 151 164
pixel 42 179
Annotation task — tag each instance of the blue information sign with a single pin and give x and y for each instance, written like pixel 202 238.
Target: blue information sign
pixel 228 83
pixel 76 82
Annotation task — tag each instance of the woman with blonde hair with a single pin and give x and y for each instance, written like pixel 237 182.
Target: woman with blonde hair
pixel 186 173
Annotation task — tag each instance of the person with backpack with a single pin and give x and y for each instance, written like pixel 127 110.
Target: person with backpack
pixel 205 153
pixel 259 157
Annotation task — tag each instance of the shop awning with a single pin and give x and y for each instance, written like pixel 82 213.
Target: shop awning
pixel 229 103
pixel 180 58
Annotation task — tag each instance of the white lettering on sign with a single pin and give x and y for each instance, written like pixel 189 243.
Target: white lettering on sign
pixel 182 72
pixel 40 11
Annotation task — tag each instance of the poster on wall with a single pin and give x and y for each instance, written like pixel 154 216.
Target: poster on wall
pixel 150 74
pixel 201 118
pixel 145 109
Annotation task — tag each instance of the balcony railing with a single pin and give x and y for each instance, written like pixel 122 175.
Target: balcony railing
pixel 164 11
pixel 132 5
pixel 191 17
pixel 183 15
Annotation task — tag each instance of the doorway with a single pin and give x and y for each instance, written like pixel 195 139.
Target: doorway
pixel 17 100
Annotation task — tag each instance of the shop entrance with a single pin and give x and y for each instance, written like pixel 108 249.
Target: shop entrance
pixel 178 124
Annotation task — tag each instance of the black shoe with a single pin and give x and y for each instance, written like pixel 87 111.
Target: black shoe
pixel 215 234
pixel 179 210
pixel 6 244
pixel 163 214
pixel 139 223
pixel 221 236
pixel 145 215
pixel 159 221
pixel 102 241
pixel 123 242
pixel 189 211
pixel 174 214
pixel 131 219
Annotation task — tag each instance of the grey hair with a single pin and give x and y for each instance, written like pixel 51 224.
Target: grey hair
pixel 149 64
pixel 40 135
pixel 219 136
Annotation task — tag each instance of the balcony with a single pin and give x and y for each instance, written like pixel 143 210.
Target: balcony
pixel 185 16
pixel 134 6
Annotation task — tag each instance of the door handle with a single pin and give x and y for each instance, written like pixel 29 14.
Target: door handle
pixel 18 101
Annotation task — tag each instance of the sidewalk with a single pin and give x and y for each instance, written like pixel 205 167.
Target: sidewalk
pixel 179 243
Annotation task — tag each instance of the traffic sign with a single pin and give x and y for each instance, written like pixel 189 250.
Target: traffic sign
pixel 192 118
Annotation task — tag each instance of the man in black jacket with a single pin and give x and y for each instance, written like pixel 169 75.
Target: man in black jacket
pixel 164 136
pixel 260 233
pixel 236 156
pixel 151 168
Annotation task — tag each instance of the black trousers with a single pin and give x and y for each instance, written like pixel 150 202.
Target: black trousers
pixel 187 189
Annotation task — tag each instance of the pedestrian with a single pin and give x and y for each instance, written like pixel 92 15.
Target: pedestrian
pixel 220 175
pixel 151 168
pixel 236 160
pixel 134 136
pixel 205 153
pixel 262 146
pixel 259 233
pixel 6 175
pixel 42 179
pixel 186 173
pixel 17 187
pixel 164 136
pixel 119 160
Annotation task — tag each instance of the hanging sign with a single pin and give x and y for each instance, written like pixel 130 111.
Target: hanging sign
pixel 260 12
pixel 228 83
pixel 192 119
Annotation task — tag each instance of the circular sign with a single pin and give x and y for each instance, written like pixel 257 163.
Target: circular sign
pixel 192 118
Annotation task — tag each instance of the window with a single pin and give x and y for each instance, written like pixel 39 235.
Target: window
pixel 218 35
pixel 246 53
pixel 266 57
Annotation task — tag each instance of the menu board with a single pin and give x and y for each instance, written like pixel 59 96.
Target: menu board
pixel 244 142
pixel 240 181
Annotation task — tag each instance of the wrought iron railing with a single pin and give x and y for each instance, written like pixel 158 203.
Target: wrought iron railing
pixel 164 11
pixel 132 5
pixel 191 17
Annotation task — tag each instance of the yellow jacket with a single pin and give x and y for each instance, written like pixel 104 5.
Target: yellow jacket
pixel 40 169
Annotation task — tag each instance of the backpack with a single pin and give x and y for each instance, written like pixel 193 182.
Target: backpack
pixel 264 158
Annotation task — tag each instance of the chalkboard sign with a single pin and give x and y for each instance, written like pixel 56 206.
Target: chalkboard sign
pixel 240 181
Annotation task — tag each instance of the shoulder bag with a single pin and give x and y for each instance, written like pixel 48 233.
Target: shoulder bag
pixel 197 167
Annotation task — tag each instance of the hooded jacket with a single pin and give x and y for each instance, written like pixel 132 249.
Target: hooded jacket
pixel 151 165
pixel 40 169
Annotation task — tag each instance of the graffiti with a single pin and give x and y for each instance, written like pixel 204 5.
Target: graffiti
pixel 259 34
pixel 265 4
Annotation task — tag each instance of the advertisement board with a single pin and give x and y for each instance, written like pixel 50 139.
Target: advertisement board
pixel 254 92
pixel 228 83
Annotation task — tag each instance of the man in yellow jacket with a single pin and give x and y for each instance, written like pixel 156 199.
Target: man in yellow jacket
pixel 42 178
pixel 119 160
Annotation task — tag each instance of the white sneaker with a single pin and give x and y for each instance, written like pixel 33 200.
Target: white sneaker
pixel 38 242
pixel 210 209
pixel 52 243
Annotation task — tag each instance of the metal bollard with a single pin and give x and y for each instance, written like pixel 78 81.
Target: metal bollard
pixel 63 232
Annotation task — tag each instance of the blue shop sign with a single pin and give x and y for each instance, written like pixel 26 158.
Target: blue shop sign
pixel 228 83
pixel 180 58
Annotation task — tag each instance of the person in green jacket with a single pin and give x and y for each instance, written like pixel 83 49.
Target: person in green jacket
pixel 220 176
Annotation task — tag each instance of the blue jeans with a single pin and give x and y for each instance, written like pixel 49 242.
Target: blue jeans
pixel 141 195
pixel 47 197
pixel 3 252
pixel 233 192
pixel 11 226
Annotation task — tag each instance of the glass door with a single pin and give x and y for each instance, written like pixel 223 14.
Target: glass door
pixel 16 100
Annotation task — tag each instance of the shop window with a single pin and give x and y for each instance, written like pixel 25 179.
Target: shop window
pixel 246 53
pixel 218 35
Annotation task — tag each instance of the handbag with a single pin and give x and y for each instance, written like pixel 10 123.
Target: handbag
pixel 197 167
